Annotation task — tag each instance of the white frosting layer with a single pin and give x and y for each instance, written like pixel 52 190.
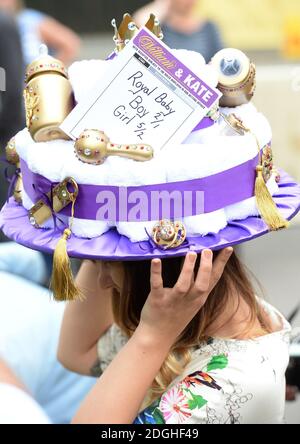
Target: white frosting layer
pixel 204 153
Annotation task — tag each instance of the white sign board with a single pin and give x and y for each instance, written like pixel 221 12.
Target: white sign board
pixel 147 96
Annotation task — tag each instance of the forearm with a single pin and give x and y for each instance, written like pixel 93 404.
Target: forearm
pixel 64 41
pixel 67 55
pixel 8 377
pixel 85 321
pixel 16 405
pixel 119 393
pixel 158 7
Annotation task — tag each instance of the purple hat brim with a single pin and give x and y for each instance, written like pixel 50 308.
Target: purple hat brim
pixel 112 246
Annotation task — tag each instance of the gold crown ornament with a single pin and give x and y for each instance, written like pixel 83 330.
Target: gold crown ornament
pixel 12 157
pixel 128 29
pixel 93 147
pixel 237 77
pixel 48 97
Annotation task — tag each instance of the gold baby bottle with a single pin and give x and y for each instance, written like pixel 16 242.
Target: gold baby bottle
pixel 237 77
pixel 48 97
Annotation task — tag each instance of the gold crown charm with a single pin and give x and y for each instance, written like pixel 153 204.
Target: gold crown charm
pixel 128 29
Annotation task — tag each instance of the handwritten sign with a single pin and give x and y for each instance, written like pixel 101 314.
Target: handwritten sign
pixel 147 96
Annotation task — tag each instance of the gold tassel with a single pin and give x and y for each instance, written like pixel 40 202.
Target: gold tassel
pixel 266 205
pixel 62 280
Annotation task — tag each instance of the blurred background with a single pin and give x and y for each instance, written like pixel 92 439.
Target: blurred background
pixel 267 30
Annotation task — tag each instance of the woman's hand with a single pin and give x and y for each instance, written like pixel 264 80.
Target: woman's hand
pixel 168 311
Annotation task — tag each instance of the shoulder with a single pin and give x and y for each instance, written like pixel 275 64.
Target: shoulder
pixel 211 26
pixel 212 30
pixel 275 319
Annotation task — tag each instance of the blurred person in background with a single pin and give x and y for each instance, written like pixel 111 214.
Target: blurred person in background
pixel 29 329
pixel 183 27
pixel 22 31
pixel 36 28
pixel 11 99
pixel 11 92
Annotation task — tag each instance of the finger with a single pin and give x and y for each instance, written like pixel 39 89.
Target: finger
pixel 219 266
pixel 204 273
pixel 186 276
pixel 156 281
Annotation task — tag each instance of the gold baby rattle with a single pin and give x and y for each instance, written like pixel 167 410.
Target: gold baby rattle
pixel 93 147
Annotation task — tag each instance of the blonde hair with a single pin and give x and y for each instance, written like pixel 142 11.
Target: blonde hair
pixel 128 303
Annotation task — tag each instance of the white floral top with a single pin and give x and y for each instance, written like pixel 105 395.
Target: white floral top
pixel 227 381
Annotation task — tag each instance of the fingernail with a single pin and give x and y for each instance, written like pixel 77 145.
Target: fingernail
pixel 192 257
pixel 207 254
pixel 229 251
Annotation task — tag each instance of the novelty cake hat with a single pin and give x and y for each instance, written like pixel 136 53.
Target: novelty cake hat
pixel 107 196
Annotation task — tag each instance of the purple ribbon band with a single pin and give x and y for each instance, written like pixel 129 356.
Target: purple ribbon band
pixel 219 191
pixel 204 123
